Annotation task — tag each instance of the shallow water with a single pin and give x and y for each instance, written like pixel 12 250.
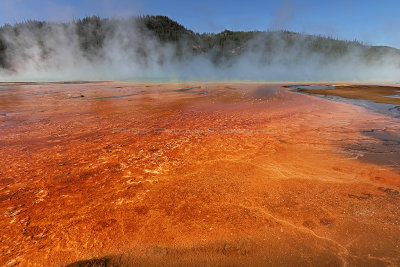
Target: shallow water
pixel 312 87
pixel 393 96
pixel 387 109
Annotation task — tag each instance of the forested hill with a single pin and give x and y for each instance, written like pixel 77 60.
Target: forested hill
pixel 157 39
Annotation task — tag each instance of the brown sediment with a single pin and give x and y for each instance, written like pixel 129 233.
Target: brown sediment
pixel 177 174
pixel 376 93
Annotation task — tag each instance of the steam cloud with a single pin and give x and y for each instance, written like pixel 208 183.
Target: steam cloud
pixel 127 49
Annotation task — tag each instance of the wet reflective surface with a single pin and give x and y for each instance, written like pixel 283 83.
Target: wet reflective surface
pixel 201 173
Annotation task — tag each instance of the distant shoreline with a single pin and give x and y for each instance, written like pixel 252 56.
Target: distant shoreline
pixel 378 98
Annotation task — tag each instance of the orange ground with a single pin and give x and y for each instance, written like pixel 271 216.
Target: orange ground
pixel 376 93
pixel 211 174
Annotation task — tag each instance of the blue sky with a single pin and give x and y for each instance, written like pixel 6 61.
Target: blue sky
pixel 371 21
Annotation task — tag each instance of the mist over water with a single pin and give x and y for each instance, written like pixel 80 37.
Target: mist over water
pixel 131 49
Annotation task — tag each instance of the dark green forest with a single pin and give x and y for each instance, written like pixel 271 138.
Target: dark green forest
pixel 223 47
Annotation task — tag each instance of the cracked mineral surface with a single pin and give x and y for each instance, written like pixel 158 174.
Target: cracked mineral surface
pixel 119 174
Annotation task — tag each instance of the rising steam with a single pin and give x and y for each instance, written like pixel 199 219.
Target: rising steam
pixel 149 48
